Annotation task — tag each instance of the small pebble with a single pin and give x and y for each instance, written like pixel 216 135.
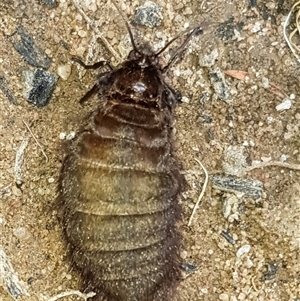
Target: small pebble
pixel 256 27
pixel 249 263
pixel 148 15
pixel 265 83
pixel 188 11
pixel 62 136
pixel 243 250
pixel 39 86
pixel 51 180
pixel 183 254
pixel 283 158
pixel 25 45
pixel 285 105
pixel 209 59
pixel 185 99
pixel 50 3
pixel 64 71
pixel 21 233
pixel 6 91
pixel 224 297
pixel 70 136
pixel 218 82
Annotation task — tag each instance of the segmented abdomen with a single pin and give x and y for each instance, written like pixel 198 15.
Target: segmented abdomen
pixel 119 188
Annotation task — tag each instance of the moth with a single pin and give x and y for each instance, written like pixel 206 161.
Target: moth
pixel 120 182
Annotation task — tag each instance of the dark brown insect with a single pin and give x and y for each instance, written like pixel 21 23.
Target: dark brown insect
pixel 120 183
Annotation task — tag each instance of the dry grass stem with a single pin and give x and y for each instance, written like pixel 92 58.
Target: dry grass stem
pixel 19 160
pixel 5 189
pixel 201 194
pixel 38 144
pixel 274 163
pixel 73 292
pixel 294 48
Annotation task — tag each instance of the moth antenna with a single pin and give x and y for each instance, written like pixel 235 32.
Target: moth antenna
pixel 180 49
pixel 127 26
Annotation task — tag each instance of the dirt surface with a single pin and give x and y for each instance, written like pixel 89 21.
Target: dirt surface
pixel 228 130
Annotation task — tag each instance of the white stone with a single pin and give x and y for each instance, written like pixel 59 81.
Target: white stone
pixel 64 71
pixel 285 105
pixel 265 83
pixel 243 250
pixel 50 180
pixel 62 136
pixel 224 297
pixel 283 157
pixel 185 99
pixel 70 136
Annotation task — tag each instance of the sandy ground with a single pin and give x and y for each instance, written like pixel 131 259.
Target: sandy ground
pixel 259 259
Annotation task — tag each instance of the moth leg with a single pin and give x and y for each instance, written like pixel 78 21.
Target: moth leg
pixel 95 66
pixel 89 94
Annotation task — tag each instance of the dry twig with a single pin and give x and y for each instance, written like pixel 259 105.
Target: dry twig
pixel 8 277
pixel 96 30
pixel 201 194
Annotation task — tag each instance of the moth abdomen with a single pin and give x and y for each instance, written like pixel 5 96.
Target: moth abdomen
pixel 121 212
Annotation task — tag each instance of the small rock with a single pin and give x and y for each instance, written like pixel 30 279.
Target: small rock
pixel 31 53
pixel 218 82
pixel 51 180
pixel 227 30
pixel 50 3
pixel 185 99
pixel 70 136
pixel 209 59
pixel 188 268
pixel 265 83
pixel 224 297
pixel 227 236
pixel 149 15
pixel 256 27
pixel 283 157
pixel 285 105
pixel 226 208
pixel 64 71
pixel 62 136
pixel 5 90
pixel 39 86
pixel 234 161
pixel 272 269
pixel 21 233
pixel 250 187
